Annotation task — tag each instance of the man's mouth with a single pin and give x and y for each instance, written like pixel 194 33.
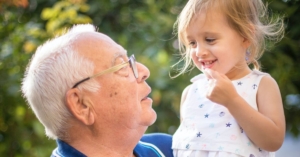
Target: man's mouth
pixel 147 96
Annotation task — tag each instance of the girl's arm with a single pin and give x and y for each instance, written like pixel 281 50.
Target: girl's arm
pixel 265 128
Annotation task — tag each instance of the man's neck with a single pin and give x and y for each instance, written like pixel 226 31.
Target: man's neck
pixel 109 144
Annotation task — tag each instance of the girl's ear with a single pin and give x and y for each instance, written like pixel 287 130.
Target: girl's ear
pixel 246 41
pixel 80 108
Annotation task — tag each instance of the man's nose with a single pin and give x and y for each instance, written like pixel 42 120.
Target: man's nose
pixel 143 72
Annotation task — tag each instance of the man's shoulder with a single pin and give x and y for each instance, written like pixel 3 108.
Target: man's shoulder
pixel 154 145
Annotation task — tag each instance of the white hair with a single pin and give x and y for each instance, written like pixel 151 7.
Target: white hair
pixel 53 70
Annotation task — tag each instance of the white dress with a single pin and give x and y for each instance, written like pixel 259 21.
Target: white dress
pixel 209 130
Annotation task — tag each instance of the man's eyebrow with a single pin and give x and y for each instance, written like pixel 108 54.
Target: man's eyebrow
pixel 118 55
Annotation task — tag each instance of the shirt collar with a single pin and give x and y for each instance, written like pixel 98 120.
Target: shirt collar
pixel 64 150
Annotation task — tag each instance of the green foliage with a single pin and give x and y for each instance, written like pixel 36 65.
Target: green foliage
pixel 64 14
pixel 143 27
pixel 20 132
pixel 282 62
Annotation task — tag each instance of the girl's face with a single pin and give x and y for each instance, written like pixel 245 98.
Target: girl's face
pixel 215 45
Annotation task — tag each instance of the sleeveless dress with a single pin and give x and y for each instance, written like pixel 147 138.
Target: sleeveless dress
pixel 209 130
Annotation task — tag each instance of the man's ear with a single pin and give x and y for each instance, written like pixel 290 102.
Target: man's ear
pixel 80 108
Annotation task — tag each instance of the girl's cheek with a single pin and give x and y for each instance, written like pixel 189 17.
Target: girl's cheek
pixel 196 62
pixel 193 54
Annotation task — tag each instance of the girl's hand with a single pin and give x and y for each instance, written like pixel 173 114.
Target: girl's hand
pixel 220 89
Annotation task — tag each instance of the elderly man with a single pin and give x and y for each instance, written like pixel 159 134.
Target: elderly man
pixel 92 98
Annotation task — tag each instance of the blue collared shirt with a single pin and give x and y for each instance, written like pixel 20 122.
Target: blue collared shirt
pixel 151 145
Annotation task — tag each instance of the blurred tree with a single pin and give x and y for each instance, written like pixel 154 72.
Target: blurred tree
pixel 282 61
pixel 21 31
pixel 17 3
pixel 143 28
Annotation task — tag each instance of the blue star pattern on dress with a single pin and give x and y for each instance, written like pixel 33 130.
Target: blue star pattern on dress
pixel 199 135
pixel 228 124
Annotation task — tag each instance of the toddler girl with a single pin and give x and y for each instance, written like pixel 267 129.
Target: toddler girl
pixel 230 109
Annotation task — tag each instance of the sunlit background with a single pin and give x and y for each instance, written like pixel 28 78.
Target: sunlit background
pixel 143 27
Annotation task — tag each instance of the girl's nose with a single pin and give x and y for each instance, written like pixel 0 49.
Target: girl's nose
pixel 201 51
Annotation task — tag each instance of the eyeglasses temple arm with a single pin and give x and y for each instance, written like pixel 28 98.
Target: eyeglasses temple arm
pixel 113 69
pixel 81 82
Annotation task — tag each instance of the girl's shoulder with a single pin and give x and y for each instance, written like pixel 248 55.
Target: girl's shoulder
pixel 259 75
pixel 257 72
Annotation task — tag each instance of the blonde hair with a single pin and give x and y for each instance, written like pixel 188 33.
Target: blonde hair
pixel 248 17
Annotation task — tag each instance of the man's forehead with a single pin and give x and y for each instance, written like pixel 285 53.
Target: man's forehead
pixel 95 40
pixel 114 48
pixel 121 53
pixel 100 48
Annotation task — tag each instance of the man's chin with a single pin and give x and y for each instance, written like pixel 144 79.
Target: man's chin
pixel 154 118
pixel 150 119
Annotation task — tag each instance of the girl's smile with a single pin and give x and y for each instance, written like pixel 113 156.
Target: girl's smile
pixel 207 63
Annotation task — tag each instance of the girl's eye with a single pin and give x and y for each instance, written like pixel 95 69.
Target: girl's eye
pixel 192 43
pixel 210 40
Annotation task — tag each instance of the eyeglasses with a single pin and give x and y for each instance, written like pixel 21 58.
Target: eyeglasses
pixel 131 62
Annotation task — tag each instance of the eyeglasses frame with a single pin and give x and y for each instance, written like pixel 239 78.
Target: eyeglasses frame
pixel 131 61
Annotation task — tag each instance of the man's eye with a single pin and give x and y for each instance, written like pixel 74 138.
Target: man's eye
pixel 120 60
pixel 124 71
pixel 124 68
